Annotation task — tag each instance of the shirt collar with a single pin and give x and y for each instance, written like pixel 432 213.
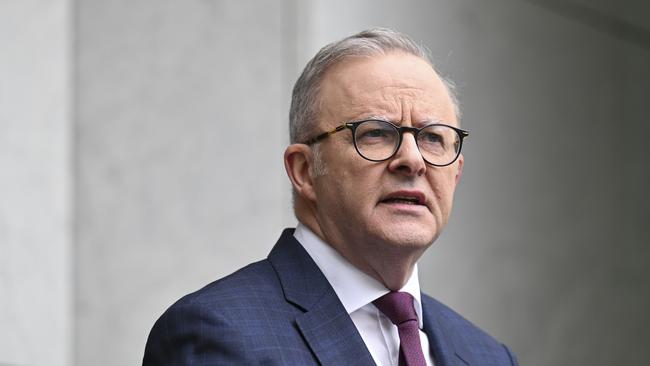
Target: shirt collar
pixel 353 287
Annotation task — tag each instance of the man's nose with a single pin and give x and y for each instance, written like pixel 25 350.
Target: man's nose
pixel 408 160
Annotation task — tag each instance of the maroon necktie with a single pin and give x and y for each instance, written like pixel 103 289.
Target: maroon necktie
pixel 398 307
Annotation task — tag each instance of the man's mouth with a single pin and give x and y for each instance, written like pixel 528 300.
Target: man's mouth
pixel 405 198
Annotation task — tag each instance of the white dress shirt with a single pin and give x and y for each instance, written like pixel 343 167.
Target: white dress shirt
pixel 357 291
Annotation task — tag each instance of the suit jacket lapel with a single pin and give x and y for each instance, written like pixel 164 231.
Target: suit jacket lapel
pixel 325 324
pixel 332 336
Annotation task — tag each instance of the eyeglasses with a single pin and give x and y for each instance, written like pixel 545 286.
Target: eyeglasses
pixel 378 140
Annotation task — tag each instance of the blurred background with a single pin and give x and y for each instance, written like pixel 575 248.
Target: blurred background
pixel 141 152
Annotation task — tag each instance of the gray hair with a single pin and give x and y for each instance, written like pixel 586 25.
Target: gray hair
pixel 303 115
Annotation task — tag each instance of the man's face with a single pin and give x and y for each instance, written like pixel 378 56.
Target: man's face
pixel 359 205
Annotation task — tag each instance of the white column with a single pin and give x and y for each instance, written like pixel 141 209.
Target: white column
pixel 35 177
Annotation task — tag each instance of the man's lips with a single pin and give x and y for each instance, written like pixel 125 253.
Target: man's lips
pixel 406 197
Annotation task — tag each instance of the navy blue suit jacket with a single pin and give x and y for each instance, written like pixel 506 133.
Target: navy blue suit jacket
pixel 283 311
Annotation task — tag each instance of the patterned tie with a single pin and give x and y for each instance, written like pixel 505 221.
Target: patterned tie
pixel 398 307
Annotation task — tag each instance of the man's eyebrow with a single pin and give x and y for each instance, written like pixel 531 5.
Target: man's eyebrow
pixel 374 117
pixel 429 121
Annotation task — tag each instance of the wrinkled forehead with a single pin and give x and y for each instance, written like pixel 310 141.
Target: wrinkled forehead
pixel 397 86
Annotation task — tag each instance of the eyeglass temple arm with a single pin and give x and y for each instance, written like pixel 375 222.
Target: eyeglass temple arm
pixel 325 134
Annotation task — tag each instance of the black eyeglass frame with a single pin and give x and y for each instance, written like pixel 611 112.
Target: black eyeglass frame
pixel 462 134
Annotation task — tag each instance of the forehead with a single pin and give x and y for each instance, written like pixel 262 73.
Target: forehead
pixel 398 86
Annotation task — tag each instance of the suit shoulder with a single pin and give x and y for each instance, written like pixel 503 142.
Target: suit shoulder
pixel 241 319
pixel 205 324
pixel 256 280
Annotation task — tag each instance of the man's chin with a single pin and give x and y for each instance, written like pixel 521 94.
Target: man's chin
pixel 412 236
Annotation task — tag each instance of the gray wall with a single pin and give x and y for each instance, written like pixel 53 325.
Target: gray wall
pixel 179 119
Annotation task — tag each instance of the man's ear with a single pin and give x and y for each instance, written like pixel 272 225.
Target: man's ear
pixel 459 172
pixel 297 160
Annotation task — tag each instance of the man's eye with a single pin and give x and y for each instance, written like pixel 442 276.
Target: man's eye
pixel 376 133
pixel 431 138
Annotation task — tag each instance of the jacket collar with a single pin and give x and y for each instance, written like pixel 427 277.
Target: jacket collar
pixel 325 324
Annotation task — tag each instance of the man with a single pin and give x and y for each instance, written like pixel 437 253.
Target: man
pixel 374 161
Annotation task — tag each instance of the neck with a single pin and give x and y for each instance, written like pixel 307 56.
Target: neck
pixel 393 270
pixel 391 266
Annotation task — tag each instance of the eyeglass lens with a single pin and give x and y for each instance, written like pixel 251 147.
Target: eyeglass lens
pixel 379 140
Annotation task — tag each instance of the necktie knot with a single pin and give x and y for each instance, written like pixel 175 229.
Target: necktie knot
pixel 397 306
